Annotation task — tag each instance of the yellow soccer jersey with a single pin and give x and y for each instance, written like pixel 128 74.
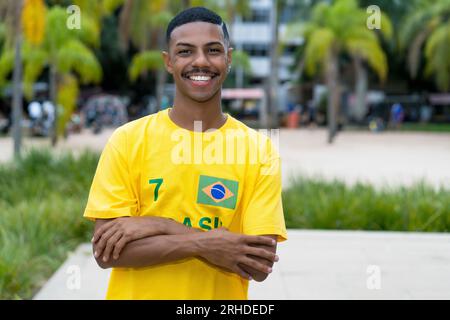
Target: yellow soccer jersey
pixel 227 177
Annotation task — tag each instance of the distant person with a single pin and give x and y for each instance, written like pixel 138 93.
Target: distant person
pixel 37 118
pixel 35 110
pixel 397 115
pixel 425 113
pixel 312 111
pixel 294 116
pixel 49 115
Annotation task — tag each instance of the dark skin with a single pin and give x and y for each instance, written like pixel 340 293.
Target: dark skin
pixel 196 50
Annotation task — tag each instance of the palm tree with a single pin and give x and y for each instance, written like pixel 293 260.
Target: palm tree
pixel 426 33
pixel 11 58
pixel 335 29
pixel 66 55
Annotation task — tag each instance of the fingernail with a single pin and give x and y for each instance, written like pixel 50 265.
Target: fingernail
pixel 250 278
pixel 274 242
pixel 95 254
pixel 277 258
pixel 92 240
pixel 269 270
pixel 105 259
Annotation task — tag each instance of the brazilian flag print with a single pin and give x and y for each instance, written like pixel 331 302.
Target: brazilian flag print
pixel 217 192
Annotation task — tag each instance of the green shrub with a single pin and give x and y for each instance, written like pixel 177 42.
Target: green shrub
pixel 42 198
pixel 313 203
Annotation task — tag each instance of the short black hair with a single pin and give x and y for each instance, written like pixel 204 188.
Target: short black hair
pixel 196 14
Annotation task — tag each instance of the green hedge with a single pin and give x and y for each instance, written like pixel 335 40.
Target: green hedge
pixel 42 198
pixel 317 204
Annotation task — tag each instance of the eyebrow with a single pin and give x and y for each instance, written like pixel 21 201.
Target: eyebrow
pixel 184 44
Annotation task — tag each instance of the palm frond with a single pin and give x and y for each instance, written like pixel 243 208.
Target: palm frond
pixel 372 53
pixel 56 31
pixel 242 60
pixel 144 61
pixel 67 98
pixel 437 53
pixel 109 6
pixel 89 32
pixel 75 56
pixel 35 60
pixel 318 49
pixel 6 65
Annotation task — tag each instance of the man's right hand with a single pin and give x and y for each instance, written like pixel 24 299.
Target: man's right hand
pixel 227 250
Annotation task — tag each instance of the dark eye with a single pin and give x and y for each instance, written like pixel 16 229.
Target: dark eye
pixel 184 52
pixel 214 50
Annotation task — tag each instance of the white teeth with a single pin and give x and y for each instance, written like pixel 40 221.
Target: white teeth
pixel 200 78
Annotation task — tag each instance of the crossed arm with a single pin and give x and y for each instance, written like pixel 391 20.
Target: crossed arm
pixel 145 241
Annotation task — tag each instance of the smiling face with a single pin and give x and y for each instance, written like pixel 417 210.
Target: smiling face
pixel 198 59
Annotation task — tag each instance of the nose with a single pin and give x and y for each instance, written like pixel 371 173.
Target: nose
pixel 201 60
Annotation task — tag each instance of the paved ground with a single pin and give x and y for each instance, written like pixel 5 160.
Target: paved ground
pixel 380 159
pixel 313 265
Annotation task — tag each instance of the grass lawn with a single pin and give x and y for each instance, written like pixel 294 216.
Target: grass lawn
pixel 430 127
pixel 41 203
pixel 42 198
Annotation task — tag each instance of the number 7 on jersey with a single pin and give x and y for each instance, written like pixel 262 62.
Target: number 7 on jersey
pixel 158 183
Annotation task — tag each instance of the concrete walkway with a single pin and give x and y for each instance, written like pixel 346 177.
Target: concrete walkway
pixel 313 265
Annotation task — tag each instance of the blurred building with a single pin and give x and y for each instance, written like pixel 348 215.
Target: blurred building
pixel 252 34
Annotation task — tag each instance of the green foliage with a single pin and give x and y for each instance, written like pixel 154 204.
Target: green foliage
pixel 241 59
pixel 41 203
pixel 6 65
pixel 426 30
pixel 313 203
pixel 145 61
pixel 338 28
pixel 67 50
pixel 67 97
pixel 437 52
pixel 35 59
pixel 75 56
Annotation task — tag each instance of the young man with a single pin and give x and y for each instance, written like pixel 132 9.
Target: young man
pixel 183 213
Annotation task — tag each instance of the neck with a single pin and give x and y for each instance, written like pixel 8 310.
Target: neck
pixel 185 111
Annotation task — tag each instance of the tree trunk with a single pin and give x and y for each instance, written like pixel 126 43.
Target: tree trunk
pixel 161 75
pixel 273 77
pixel 333 95
pixel 17 81
pixel 239 71
pixel 53 99
pixel 360 107
pixel 17 97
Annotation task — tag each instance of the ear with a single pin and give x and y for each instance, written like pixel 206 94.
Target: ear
pixel 167 63
pixel 229 55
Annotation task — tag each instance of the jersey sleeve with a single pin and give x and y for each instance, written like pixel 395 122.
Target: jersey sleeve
pixel 264 213
pixel 111 194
